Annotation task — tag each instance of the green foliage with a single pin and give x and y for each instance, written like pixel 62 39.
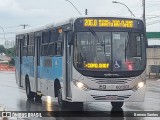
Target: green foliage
pixel 2 49
pixel 10 52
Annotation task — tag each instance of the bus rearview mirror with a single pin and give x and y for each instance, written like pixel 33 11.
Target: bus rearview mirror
pixel 70 38
pixel 146 41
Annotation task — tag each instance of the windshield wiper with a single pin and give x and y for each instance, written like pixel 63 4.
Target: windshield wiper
pixel 94 34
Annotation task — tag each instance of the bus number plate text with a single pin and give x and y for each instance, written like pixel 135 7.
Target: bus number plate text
pixel 114 87
pixel 122 87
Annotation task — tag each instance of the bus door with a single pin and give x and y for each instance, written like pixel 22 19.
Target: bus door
pixel 20 61
pixel 67 66
pixel 37 60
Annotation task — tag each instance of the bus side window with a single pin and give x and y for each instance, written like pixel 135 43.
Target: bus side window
pixel 52 36
pixel 59 48
pixel 59 44
pixel 17 46
pixel 135 47
pixel 25 45
pixel 45 41
pixel 139 46
pixel 31 45
pixel 51 49
pixel 51 45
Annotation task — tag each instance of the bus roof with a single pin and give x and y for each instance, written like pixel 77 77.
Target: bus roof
pixel 45 26
pixel 60 23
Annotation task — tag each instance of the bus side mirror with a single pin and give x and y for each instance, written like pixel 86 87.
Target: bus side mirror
pixel 146 41
pixel 70 38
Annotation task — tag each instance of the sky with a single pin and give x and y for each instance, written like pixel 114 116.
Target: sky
pixel 14 13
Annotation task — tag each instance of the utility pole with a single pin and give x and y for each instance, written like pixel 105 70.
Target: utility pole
pixel 144 18
pixel 24 25
pixel 4 35
pixel 86 12
pixel 3 32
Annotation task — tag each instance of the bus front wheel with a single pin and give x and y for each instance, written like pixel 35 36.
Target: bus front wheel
pixel 77 106
pixel 29 93
pixel 117 104
pixel 61 102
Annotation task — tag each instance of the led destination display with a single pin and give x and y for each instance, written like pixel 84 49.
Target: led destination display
pixel 97 65
pixel 124 23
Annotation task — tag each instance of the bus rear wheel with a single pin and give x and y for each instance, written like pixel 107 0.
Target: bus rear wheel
pixel 117 104
pixel 38 97
pixel 29 93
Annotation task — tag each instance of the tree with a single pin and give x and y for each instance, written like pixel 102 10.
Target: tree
pixel 10 52
pixel 2 49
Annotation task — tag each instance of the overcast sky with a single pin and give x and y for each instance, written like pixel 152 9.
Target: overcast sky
pixel 13 13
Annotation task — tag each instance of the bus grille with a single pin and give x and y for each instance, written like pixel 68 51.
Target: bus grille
pixel 104 97
pixel 111 80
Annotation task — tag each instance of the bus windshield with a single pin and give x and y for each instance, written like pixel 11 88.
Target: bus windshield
pixel 109 51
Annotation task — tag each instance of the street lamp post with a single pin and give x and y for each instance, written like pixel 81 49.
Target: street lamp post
pixel 125 6
pixel 3 33
pixel 144 18
pixel 74 6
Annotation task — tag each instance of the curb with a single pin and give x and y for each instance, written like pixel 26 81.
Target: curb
pixel 158 80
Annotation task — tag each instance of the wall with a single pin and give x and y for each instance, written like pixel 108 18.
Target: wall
pixel 153 56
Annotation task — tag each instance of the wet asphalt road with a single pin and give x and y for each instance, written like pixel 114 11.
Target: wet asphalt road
pixel 14 99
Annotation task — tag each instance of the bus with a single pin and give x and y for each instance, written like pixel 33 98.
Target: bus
pixel 83 59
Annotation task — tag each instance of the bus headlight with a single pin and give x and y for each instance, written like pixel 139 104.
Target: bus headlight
pixel 138 86
pixel 81 85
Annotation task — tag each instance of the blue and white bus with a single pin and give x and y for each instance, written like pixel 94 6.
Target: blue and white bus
pixel 83 59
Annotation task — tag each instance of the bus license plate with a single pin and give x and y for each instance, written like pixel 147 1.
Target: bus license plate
pixel 111 97
pixel 122 87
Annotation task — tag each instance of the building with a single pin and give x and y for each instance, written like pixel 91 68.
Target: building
pixel 9 44
pixel 4 58
pixel 153 50
pixel 4 63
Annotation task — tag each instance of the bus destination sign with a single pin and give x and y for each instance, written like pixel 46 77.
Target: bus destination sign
pixel 97 65
pixel 124 23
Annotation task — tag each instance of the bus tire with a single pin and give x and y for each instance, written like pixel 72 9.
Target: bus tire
pixel 61 102
pixel 117 104
pixel 29 93
pixel 38 97
pixel 78 106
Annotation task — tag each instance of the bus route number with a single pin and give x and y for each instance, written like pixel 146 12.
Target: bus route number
pixel 90 22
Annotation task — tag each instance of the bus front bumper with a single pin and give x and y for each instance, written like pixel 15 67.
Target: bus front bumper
pixel 79 95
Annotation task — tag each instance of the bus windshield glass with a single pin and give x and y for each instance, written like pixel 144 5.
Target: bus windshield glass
pixel 109 51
